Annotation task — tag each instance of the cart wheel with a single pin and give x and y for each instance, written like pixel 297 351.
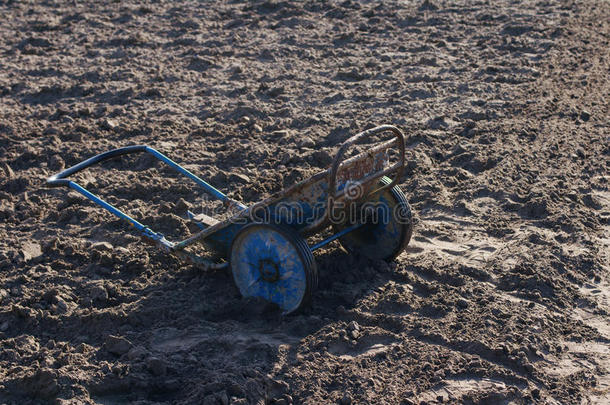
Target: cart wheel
pixel 385 234
pixel 273 263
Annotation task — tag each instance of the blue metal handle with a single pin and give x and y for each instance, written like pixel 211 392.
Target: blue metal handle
pixel 60 179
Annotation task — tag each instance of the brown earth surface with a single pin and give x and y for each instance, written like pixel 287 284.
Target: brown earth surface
pixel 503 295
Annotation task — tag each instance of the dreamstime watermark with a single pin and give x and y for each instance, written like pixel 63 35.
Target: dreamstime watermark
pixel 353 208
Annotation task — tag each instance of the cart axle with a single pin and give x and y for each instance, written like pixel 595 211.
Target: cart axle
pixel 335 236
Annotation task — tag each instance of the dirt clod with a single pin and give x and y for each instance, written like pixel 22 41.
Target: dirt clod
pixel 156 366
pixel 30 250
pixel 117 345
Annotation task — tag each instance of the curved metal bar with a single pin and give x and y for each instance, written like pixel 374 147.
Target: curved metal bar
pixel 61 179
pixel 399 166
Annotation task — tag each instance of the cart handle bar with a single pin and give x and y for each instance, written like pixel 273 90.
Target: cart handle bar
pixel 60 179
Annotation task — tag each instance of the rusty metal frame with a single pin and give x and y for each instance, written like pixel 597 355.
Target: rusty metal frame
pixel 327 179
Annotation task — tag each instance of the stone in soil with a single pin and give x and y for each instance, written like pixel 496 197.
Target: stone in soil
pixel 117 345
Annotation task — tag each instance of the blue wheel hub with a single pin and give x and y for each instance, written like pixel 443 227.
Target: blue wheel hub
pixel 269 271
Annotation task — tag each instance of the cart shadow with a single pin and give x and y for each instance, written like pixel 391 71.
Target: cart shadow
pixel 205 325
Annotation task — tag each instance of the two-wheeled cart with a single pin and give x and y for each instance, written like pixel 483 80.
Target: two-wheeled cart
pixel 265 244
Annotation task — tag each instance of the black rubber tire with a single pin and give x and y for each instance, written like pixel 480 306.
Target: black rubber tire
pixel 361 241
pixel 303 250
